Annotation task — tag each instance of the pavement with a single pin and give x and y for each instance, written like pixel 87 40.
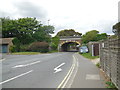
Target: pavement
pixel 88 75
pixel 54 70
pixel 95 61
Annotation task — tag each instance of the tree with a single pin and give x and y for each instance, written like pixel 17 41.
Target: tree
pixel 8 27
pixel 26 31
pixel 55 42
pixel 93 36
pixel 89 36
pixel 101 36
pixel 68 32
pixel 43 33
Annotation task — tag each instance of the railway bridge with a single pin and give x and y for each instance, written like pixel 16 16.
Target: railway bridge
pixel 69 43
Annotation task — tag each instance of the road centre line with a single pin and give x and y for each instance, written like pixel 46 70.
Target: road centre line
pixel 16 77
pixel 74 72
pixel 69 74
pixel 64 82
pixel 18 66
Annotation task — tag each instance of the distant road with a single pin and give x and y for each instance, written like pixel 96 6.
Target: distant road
pixel 37 71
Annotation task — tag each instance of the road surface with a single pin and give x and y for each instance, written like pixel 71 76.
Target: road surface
pixel 38 71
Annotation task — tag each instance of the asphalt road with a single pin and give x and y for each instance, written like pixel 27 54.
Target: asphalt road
pixel 35 71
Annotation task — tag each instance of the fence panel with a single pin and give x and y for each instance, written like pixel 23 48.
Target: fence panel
pixel 110 59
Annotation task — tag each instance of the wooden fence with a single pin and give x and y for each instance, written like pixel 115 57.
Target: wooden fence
pixel 110 59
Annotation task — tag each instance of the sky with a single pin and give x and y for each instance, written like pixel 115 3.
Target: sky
pixel 80 15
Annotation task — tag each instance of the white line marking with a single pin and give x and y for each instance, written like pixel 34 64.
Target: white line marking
pixel 18 66
pixel 58 69
pixel 92 77
pixel 2 60
pixel 15 77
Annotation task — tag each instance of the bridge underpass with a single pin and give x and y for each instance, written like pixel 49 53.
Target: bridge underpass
pixel 69 44
pixel 69 47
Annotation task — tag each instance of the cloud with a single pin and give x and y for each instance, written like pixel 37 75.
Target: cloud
pixel 28 9
pixel 24 8
pixel 81 15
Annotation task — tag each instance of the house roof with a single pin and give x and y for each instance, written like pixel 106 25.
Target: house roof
pixel 5 40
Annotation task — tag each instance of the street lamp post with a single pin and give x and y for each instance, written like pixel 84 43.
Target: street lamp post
pixel 48 21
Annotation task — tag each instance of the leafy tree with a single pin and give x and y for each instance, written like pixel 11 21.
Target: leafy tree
pixel 48 29
pixel 43 33
pixel 93 36
pixel 26 31
pixel 101 36
pixel 8 27
pixel 89 36
pixel 55 42
pixel 68 32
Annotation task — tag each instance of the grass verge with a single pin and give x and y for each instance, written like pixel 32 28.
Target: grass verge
pixel 89 56
pixel 25 53
pixel 53 51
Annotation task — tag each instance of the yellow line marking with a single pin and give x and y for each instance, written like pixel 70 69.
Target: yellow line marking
pixel 68 74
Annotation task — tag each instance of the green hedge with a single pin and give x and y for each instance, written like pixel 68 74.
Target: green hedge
pixel 42 47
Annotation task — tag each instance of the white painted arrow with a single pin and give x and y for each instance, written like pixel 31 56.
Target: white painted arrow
pixel 19 66
pixel 58 69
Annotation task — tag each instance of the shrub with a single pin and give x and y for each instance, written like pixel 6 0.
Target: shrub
pixel 98 65
pixel 12 48
pixel 23 48
pixel 16 45
pixel 111 85
pixel 53 46
pixel 42 47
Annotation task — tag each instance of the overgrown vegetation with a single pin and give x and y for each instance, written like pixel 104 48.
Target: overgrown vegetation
pixel 68 32
pixel 42 47
pixel 93 35
pixel 111 85
pixel 89 56
pixel 54 43
pixel 98 65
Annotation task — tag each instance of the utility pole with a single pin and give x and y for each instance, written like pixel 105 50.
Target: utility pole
pixel 48 21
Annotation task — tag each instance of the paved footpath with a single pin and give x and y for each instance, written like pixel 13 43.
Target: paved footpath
pixel 88 75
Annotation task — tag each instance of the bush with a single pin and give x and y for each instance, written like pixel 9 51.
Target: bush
pixel 42 47
pixel 12 48
pixel 16 45
pixel 23 48
pixel 98 65
pixel 111 85
pixel 53 46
